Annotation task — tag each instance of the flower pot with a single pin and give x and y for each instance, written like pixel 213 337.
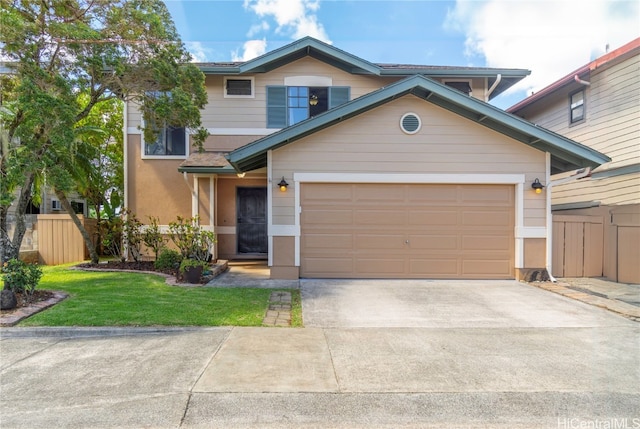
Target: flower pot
pixel 193 274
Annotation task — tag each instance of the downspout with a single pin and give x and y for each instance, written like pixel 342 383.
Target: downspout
pixel 494 86
pixel 580 81
pixel 578 174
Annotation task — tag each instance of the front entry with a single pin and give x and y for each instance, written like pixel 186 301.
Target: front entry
pixel 252 221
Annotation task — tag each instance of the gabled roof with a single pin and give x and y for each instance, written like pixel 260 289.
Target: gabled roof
pixel 566 154
pixel 308 46
pixel 630 49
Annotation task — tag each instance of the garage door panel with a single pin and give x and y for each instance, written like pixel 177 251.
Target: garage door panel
pixel 487 243
pixel 433 218
pixel 327 217
pixel 379 217
pixel 329 192
pixel 408 230
pixel 329 265
pixel 487 269
pixel 486 218
pixel 440 268
pixel 433 195
pixel 380 267
pixel 328 241
pixel 434 242
pixel 372 242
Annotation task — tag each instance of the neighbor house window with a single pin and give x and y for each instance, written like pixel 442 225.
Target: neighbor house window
pixel 172 141
pixel 288 105
pixel 238 87
pixel 576 106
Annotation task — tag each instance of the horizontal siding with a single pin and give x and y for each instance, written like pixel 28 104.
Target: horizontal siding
pixel 609 191
pixel 374 143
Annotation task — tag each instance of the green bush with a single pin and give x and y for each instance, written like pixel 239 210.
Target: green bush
pixel 191 239
pixel 168 260
pixel 21 277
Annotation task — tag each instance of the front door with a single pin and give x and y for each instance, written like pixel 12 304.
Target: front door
pixel 252 220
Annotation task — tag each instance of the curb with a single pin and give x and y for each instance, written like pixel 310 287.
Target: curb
pixel 106 331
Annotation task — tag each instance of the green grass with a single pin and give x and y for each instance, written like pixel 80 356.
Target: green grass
pixel 128 299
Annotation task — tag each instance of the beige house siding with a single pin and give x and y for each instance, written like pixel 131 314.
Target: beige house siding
pixel 154 186
pixel 617 190
pixel 374 143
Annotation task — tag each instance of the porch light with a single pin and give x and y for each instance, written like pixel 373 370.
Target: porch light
pixel 313 100
pixel 283 185
pixel 537 186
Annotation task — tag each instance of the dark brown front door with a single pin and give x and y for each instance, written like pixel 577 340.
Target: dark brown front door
pixel 252 220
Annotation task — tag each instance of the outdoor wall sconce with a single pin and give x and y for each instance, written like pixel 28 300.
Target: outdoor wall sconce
pixel 537 186
pixel 283 185
pixel 313 100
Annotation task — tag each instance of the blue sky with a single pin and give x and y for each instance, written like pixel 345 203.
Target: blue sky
pixel 549 37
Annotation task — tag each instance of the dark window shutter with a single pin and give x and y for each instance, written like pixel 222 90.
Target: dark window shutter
pixel 276 106
pixel 238 87
pixel 338 95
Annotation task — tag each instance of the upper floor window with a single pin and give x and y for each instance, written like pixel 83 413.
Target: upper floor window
pixel 238 87
pixel 462 86
pixel 172 141
pixel 288 105
pixel 576 106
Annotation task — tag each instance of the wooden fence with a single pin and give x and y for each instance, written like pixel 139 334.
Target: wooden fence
pixel 60 242
pixel 577 246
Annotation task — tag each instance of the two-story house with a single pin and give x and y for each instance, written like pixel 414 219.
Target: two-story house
pixel 329 166
pixel 597 218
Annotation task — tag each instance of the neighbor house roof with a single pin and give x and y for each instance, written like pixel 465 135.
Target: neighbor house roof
pixel 308 46
pixel 631 48
pixel 566 154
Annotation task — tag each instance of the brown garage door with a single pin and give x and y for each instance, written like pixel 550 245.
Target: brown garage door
pixel 407 231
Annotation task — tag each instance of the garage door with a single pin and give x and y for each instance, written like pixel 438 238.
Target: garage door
pixel 407 231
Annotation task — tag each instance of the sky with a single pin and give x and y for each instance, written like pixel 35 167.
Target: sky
pixel 549 37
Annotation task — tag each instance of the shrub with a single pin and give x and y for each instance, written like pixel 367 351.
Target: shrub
pixel 191 263
pixel 132 234
pixel 152 237
pixel 21 277
pixel 192 241
pixel 111 233
pixel 168 260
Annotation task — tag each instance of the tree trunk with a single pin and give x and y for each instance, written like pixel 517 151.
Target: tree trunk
pixel 10 248
pixel 74 217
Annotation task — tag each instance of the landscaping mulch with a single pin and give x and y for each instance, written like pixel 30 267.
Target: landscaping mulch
pixel 126 265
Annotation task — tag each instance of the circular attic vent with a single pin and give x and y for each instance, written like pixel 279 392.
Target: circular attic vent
pixel 410 123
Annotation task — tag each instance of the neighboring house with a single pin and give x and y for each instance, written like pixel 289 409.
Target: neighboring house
pixel 597 218
pixel 331 166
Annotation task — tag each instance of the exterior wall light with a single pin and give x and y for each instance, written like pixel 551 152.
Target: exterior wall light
pixel 313 100
pixel 283 185
pixel 537 186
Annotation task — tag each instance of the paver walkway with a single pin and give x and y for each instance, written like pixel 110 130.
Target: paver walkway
pixel 279 312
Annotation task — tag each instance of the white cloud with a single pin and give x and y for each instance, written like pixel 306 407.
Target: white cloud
pixel 551 37
pixel 251 49
pixel 258 28
pixel 199 53
pixel 294 17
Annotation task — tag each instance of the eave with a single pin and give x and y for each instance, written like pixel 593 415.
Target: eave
pixel 566 154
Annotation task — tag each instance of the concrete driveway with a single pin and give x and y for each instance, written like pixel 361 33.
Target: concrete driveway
pixel 441 304
pixel 373 355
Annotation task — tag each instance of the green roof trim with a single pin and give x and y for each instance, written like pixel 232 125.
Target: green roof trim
pixel 308 46
pixel 566 154
pixel 206 170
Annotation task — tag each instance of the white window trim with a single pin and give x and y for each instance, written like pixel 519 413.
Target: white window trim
pixel 187 143
pixel 250 78
pixel 319 81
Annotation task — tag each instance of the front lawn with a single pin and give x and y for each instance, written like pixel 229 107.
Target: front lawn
pixel 128 299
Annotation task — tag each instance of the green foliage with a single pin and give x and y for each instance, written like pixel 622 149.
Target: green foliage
pixel 111 236
pixel 189 237
pixel 128 299
pixel 71 60
pixel 21 277
pixel 132 234
pixel 152 237
pixel 188 263
pixel 168 259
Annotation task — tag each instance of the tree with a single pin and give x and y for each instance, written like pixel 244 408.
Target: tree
pixel 106 49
